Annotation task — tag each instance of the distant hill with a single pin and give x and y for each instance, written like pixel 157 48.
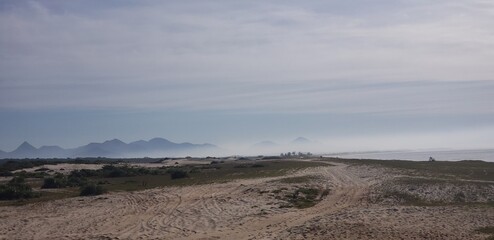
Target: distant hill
pixel 49 151
pixel 113 148
pixel 24 150
pixel 301 140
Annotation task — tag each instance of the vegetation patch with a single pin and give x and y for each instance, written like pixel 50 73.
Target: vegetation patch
pixel 92 190
pixel 205 174
pixel 120 177
pixel 53 183
pixel 178 173
pixel 24 174
pixel 486 230
pixel 299 179
pixel 16 188
pixel 6 173
pixel 421 191
pixel 468 169
pixel 10 165
pixel 304 197
pixel 406 198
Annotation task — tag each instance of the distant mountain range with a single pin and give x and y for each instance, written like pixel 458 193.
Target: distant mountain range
pixel 272 148
pixel 113 148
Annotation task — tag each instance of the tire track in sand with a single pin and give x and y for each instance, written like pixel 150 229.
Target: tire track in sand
pixel 348 190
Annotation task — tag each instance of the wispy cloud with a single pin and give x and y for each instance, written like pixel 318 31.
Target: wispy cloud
pixel 52 52
pixel 384 57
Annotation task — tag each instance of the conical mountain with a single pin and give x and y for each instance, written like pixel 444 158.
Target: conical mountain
pixel 24 150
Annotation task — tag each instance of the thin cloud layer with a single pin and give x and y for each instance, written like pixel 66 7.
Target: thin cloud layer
pixel 396 59
pixel 90 57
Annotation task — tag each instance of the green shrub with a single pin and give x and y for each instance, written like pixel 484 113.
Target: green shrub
pixel 76 181
pixel 24 174
pixel 59 181
pixel 124 171
pixel 92 190
pixel 5 173
pixel 55 182
pixel 178 173
pixel 50 183
pixel 303 198
pixel 241 166
pixel 16 189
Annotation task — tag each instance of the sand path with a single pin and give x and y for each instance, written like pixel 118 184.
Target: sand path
pixel 346 190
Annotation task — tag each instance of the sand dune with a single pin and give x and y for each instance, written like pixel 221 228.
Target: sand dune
pixel 243 209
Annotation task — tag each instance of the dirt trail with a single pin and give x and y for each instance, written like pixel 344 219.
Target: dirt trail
pixel 346 190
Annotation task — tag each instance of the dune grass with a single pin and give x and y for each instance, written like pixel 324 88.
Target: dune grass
pixel 299 179
pixel 487 230
pixel 195 175
pixel 468 169
pixel 222 172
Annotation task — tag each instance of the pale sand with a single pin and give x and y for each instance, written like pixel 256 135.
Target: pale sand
pixel 64 168
pixel 243 209
pixel 172 162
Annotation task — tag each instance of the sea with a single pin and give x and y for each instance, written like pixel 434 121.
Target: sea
pixel 421 155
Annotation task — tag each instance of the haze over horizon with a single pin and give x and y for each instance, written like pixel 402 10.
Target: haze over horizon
pixel 352 75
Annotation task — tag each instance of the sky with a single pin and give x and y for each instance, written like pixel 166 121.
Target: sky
pixel 351 75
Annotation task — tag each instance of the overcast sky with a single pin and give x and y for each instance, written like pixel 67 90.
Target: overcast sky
pixel 355 75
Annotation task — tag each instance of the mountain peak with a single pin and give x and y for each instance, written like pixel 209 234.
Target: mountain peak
pixel 159 140
pixel 114 141
pixel 26 146
pixel 25 149
pixel 301 140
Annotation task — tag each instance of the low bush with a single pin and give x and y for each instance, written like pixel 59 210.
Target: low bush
pixel 16 189
pixel 76 181
pixel 304 197
pixel 241 166
pixel 5 173
pixel 51 183
pixel 59 181
pixel 24 174
pixel 178 173
pixel 113 171
pixel 92 190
